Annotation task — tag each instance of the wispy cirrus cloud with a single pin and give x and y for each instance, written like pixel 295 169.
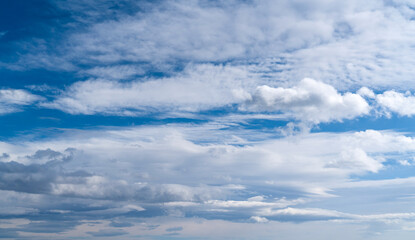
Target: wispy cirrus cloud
pixel 283 39
pixel 12 100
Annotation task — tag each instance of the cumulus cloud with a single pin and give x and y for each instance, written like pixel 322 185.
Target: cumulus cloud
pixel 55 177
pixel 366 92
pixel 311 101
pixel 400 103
pixel 11 100
pixel 35 177
pixel 390 101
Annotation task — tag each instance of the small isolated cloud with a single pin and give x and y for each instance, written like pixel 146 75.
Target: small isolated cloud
pixel 309 101
pixel 11 100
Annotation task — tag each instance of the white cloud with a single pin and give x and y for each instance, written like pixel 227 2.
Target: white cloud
pixel 277 203
pixel 366 92
pixel 198 31
pixel 171 161
pixel 392 101
pixel 347 44
pixel 357 159
pixel 259 219
pixel 12 99
pixel 259 50
pixel 362 55
pixel 198 88
pixel 310 101
pixel 204 87
pixel 117 72
pixel 303 212
pixel 331 214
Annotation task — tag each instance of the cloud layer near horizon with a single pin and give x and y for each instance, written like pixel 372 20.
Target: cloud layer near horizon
pixel 166 172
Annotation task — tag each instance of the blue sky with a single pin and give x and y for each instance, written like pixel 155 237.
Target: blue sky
pixel 207 119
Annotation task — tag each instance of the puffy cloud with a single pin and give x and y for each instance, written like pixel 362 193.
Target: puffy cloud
pixel 310 101
pixel 392 101
pixel 366 92
pixel 34 178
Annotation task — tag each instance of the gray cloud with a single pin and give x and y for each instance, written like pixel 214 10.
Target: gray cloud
pixel 34 178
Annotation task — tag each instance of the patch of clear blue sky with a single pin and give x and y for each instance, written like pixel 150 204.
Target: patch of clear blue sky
pixel 390 171
pixel 23 20
pixel 42 121
pixel 396 123
pixel 23 79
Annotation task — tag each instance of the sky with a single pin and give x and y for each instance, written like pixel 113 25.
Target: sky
pixel 197 119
